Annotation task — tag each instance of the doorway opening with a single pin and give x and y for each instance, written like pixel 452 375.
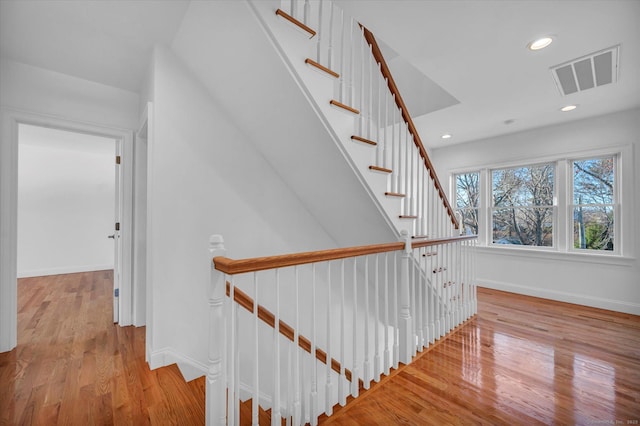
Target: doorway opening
pixel 68 204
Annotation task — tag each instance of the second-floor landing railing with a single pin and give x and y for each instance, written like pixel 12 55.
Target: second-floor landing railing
pixel 317 327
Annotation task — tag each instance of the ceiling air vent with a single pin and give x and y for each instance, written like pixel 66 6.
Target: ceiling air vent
pixel 587 72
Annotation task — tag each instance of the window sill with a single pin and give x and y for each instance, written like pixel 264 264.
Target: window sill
pixel 551 254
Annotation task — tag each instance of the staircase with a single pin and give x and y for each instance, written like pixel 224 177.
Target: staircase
pixel 294 337
pixel 340 67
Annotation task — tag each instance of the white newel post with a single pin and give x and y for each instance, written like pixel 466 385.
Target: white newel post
pixel 216 387
pixel 405 325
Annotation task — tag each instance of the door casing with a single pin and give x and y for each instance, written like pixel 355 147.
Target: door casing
pixel 11 119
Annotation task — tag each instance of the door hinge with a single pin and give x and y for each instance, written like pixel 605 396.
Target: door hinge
pixel 117 226
pixel 116 292
pixel 117 159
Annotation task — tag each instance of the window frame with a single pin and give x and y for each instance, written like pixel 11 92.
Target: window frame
pixel 624 201
pixel 616 205
pixel 554 207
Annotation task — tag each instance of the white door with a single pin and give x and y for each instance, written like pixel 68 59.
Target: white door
pixel 117 240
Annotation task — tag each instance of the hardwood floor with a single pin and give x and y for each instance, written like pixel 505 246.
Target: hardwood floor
pixel 522 360
pixel 73 366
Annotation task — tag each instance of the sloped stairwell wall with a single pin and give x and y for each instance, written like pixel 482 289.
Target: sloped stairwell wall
pixel 224 45
pixel 237 150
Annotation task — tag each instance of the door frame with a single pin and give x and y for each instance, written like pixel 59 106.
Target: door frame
pixel 10 120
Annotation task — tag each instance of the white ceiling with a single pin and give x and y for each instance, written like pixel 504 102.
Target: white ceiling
pixel 105 41
pixel 473 49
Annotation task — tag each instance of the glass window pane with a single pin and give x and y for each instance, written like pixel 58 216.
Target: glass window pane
pixel 593 181
pixel 467 190
pixel 523 186
pixel 593 227
pixel 532 226
pixel 469 221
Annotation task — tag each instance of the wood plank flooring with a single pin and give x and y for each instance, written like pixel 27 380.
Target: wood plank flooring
pixel 522 360
pixel 73 366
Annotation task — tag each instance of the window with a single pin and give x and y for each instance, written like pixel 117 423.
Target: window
pixel 594 203
pixel 571 204
pixel 467 200
pixel 522 210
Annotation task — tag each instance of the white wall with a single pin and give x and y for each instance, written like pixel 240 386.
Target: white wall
pixel 205 178
pixel 66 202
pixel 597 281
pixel 42 91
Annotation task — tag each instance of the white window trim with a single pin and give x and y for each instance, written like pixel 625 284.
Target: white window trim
pixel 563 226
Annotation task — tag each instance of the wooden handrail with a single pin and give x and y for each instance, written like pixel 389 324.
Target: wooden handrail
pixel 231 266
pixel 244 300
pixel 386 73
pixel 241 266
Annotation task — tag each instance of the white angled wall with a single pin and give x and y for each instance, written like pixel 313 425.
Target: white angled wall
pixel 66 202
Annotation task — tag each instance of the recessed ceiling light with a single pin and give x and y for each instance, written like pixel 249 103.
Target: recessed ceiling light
pixel 540 43
pixel 446 136
pixel 568 108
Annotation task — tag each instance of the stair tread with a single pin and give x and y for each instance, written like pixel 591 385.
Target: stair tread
pixel 407 216
pixel 343 106
pixel 395 194
pixel 361 139
pixel 321 67
pixel 380 169
pixel 295 22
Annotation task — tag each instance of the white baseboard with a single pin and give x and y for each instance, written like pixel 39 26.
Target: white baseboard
pixel 62 270
pixel 190 368
pixel 561 296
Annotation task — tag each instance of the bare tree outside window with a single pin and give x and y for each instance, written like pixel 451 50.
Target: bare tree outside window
pixel 523 211
pixel 467 200
pixel 593 203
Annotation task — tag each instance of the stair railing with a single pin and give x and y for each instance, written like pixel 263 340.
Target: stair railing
pixel 364 309
pixel 348 52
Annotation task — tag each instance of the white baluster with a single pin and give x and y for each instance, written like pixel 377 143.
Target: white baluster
pixel 352 50
pixel 342 392
pixel 292 8
pixel 419 307
pixel 379 147
pixel 306 11
pixel 414 283
pixel 215 412
pixel 236 357
pixel 387 358
pixel 314 365
pixel 376 316
pixel 297 409
pixel 289 412
pixel 275 409
pixel 231 385
pixel 386 124
pixel 329 384
pixel 393 149
pixel 362 108
pixel 366 368
pixel 319 42
pixel 370 109
pixel 342 67
pixel 396 312
pixel 256 358
pixel 330 49
pixel 355 388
